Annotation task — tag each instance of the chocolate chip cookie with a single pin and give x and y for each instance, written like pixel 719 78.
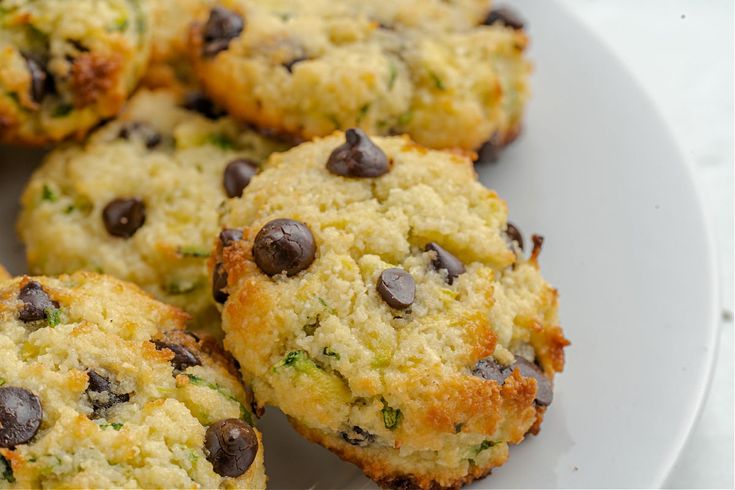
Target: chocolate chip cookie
pixel 66 67
pixel 449 74
pixel 374 292
pixel 140 199
pixel 100 387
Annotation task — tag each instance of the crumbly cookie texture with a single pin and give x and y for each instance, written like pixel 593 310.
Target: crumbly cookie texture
pixel 114 394
pixel 140 200
pixel 430 69
pixel 406 332
pixel 63 68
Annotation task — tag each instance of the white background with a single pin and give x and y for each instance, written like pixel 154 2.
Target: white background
pixel 681 52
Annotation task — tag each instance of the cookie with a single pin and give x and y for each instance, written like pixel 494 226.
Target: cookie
pixel 374 292
pixel 140 199
pixel 65 68
pixel 451 75
pixel 101 388
pixel 3 273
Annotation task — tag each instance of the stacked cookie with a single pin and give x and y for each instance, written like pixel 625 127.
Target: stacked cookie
pixel 297 178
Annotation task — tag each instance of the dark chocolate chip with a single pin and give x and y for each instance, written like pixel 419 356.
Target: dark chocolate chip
pixel 544 388
pixel 289 64
pixel 183 357
pixel 101 395
pixel 445 260
pixel 490 150
pixel 198 102
pixel 357 436
pixel 505 16
pixel 358 157
pixel 36 303
pixel 20 416
pixel 491 370
pixel 41 81
pixel 513 234
pixel 219 283
pixel 237 176
pixel 284 245
pixel 123 217
pixel 397 288
pixel 229 236
pixel 223 26
pixel 231 446
pixel 142 131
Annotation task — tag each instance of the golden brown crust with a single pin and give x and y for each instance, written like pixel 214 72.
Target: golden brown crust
pixel 92 77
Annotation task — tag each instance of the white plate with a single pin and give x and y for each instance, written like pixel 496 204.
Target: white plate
pixel 597 173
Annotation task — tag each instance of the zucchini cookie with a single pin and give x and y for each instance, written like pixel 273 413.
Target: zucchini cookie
pixel 101 388
pixel 451 75
pixel 374 293
pixel 139 200
pixel 65 66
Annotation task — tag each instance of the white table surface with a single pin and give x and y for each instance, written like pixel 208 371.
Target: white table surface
pixel 681 52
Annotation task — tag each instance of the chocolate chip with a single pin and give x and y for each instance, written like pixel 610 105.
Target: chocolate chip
pixel 357 436
pixel 219 284
pixel 284 245
pixel 222 27
pixel 289 64
pixel 445 260
pixel 123 217
pixel 490 150
pixel 231 446
pixel 41 81
pixel 20 416
pixel 142 131
pixel 544 388
pixel 513 234
pixel 229 236
pixel 101 395
pixel 491 370
pixel 36 303
pixel 198 102
pixel 397 288
pixel 358 157
pixel 237 176
pixel 183 357
pixel 505 16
